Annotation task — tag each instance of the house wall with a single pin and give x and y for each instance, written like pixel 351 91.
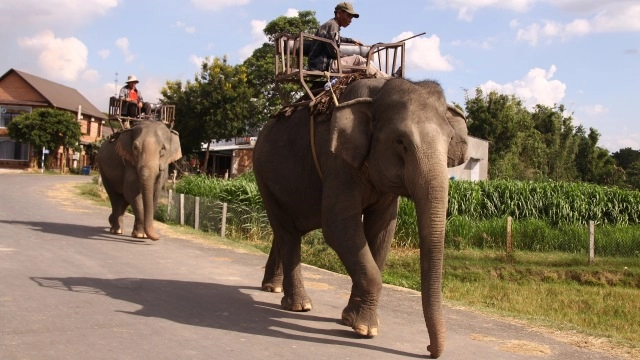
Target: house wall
pixel 477 167
pixel 242 161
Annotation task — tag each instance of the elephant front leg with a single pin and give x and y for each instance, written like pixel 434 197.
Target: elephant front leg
pixel 138 214
pixel 118 208
pixel 349 242
pixel 379 223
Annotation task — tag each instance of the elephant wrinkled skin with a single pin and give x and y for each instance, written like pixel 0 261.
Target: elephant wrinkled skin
pixel 134 166
pixel 389 138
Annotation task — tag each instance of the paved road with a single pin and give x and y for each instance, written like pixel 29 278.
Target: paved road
pixel 71 290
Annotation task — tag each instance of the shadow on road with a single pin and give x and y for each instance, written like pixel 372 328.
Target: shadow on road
pixel 79 231
pixel 225 307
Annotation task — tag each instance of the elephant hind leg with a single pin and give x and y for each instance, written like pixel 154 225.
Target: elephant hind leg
pixel 272 281
pixel 287 244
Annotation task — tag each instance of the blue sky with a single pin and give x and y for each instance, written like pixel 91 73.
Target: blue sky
pixel 584 54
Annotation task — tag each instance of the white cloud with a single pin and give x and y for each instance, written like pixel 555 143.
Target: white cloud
pixel 467 8
pixel 485 44
pixel 594 110
pixel 197 60
pixel 615 143
pixel 537 87
pixel 258 38
pixel 216 5
pixel 59 58
pixel 123 45
pixel 602 17
pixel 104 53
pixel 291 13
pixel 188 29
pixel 53 14
pixel 424 53
pixel 90 75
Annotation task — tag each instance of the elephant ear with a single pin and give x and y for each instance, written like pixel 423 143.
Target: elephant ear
pixel 174 152
pixel 124 146
pixel 457 153
pixel 350 131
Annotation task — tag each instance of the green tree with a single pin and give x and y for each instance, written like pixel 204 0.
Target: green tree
pixel 558 136
pixel 47 128
pixel 626 157
pixel 515 150
pixel 268 95
pixel 633 175
pixel 593 163
pixel 629 160
pixel 185 97
pixel 215 106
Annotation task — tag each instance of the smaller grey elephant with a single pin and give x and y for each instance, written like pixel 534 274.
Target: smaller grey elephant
pixel 133 164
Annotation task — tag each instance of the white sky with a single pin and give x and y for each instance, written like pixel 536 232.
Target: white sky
pixel 584 54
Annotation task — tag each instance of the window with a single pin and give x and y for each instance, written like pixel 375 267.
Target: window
pixel 8 113
pixel 12 150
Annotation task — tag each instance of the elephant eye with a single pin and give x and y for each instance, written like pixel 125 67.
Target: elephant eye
pixel 400 142
pixel 163 150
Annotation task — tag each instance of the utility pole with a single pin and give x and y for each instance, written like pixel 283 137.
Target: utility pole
pixel 116 86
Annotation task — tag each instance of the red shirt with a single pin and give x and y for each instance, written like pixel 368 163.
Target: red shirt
pixel 133 95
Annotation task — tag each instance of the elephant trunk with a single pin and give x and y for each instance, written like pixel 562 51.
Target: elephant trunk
pixel 148 175
pixel 430 193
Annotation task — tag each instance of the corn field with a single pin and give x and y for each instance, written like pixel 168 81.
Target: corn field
pixel 548 216
pixel 556 203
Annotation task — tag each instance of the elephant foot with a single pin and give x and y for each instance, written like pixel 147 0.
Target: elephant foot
pixel 302 303
pixel 138 234
pixel 434 351
pixel 272 287
pixel 115 231
pixel 364 322
pixel 272 282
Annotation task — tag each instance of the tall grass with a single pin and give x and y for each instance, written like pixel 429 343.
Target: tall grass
pixel 549 216
pixel 242 190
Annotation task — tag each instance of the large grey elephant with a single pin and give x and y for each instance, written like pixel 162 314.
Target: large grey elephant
pixel 134 165
pixel 388 138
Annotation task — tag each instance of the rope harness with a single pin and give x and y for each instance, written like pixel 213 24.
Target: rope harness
pixel 325 103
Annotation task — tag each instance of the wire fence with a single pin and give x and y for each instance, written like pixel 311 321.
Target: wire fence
pixel 229 220
pixel 237 221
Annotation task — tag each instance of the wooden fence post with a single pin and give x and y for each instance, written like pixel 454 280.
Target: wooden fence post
pixel 223 226
pixel 181 209
pixel 592 242
pixel 196 224
pixel 509 240
pixel 169 204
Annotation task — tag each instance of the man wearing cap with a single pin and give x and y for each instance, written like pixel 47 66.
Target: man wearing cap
pixel 323 57
pixel 132 97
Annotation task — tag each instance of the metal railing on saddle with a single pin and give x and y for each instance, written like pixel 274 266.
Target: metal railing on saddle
pixel 291 53
pixel 159 112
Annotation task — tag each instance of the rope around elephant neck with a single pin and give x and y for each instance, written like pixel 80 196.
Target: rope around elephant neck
pixel 312 127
